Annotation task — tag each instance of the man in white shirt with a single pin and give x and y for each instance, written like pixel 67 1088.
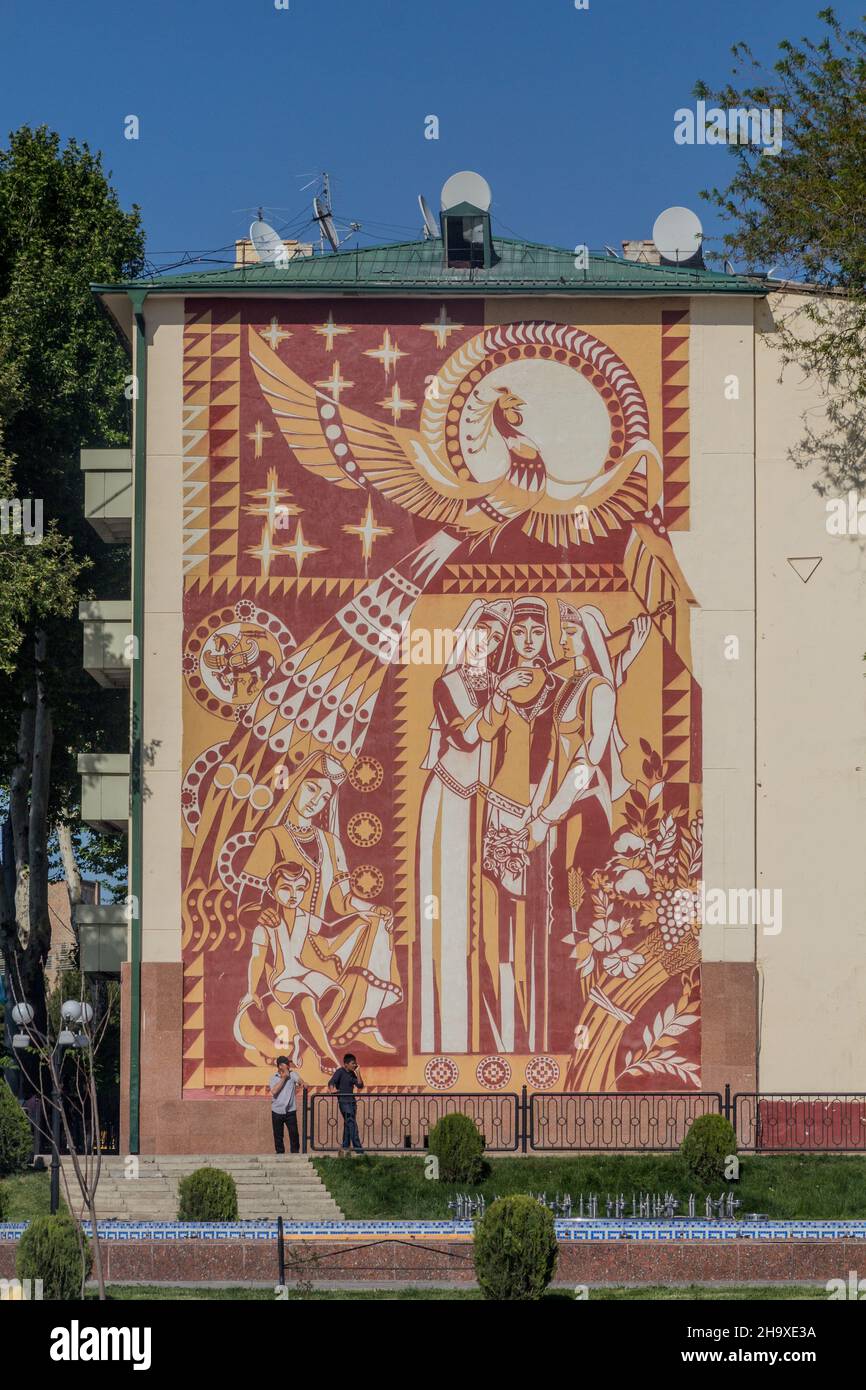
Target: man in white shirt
pixel 284 1106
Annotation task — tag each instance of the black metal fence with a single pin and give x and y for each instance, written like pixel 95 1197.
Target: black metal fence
pixel 595 1121
pixel 592 1122
pixel 798 1122
pixel 391 1122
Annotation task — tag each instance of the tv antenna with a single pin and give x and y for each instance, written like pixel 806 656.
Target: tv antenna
pixel 431 226
pixel 268 243
pixel 323 215
pixel 678 234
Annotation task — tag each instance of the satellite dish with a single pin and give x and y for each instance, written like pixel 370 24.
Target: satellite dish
pixel 431 226
pixel 677 233
pixel 466 187
pixel 322 214
pixel 269 245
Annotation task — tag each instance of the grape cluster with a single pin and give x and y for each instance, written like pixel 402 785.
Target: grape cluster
pixel 676 915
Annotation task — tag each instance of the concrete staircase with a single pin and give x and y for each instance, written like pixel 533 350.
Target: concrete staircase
pixel 268 1186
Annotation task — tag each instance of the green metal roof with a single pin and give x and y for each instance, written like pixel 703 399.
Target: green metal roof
pixel 415 267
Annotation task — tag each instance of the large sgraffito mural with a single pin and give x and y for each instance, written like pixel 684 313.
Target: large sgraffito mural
pixel 441 795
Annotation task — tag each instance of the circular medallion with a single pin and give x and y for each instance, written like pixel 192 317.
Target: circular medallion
pixel 364 829
pixel 367 881
pixel 542 1073
pixel 231 655
pixel 366 774
pixel 564 384
pixel 493 1073
pixel 441 1073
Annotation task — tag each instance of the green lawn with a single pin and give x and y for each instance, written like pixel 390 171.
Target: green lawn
pixel 661 1293
pixel 822 1185
pixel 29 1195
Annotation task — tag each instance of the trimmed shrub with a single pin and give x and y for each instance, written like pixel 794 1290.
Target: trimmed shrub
pixel 459 1147
pixel 16 1141
pixel 4 1204
pixel 515 1250
pixel 709 1142
pixel 208 1194
pixel 49 1250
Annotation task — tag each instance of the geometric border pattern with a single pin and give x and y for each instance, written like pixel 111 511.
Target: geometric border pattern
pixel 675 1229
pixel 675 417
pixel 601 578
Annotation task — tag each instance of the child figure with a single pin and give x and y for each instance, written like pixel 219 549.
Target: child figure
pixel 297 978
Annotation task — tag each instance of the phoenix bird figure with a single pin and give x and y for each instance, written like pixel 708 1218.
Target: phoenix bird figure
pixel 412 468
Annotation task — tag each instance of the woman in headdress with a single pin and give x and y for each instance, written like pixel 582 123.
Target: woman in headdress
pixel 362 944
pixel 450 828
pixel 585 760
pixel 573 804
pixel 515 919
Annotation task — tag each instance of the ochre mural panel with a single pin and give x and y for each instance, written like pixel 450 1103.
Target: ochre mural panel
pixel 441 734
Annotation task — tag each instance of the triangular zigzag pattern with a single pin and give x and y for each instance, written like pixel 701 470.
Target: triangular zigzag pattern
pixel 675 417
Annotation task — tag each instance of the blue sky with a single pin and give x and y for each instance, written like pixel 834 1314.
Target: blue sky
pixel 569 114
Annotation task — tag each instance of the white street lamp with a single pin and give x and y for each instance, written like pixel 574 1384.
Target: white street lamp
pixel 22 1014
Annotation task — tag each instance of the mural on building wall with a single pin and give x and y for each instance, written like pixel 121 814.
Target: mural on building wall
pixel 441 737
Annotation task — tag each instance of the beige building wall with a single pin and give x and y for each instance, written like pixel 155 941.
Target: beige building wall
pixel 717 556
pixel 163 630
pixel 784 810
pixel 811 707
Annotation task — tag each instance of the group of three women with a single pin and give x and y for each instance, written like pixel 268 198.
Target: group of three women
pixel 524 764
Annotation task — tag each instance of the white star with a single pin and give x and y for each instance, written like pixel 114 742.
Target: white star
pixel 266 551
pixel 396 404
pixel 272 502
pixel 442 327
pixel 275 335
pixel 329 330
pixel 258 435
pixel 368 532
pixel 300 549
pixel 335 383
pixel 387 353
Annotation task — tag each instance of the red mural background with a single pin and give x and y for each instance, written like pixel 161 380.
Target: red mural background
pixel 437 664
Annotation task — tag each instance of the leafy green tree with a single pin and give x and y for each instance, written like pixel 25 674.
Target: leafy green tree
pixel 62 378
pixel 515 1250
pixel 55 1250
pixel 16 1143
pixel 801 214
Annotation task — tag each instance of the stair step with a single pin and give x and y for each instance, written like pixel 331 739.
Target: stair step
pixel 268 1185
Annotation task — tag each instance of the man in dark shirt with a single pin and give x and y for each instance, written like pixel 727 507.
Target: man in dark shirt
pixel 345 1081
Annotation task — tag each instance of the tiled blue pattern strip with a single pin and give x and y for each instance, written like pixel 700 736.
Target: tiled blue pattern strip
pixel 676 1229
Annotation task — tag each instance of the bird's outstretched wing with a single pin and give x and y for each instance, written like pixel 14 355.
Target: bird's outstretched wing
pixel 581 512
pixel 351 450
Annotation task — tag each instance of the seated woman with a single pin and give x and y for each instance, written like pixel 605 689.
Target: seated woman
pixel 363 946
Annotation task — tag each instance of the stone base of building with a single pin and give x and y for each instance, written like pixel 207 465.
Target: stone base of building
pixel 172 1124
pixel 169 1123
pixel 729 1026
pixel 388 1261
